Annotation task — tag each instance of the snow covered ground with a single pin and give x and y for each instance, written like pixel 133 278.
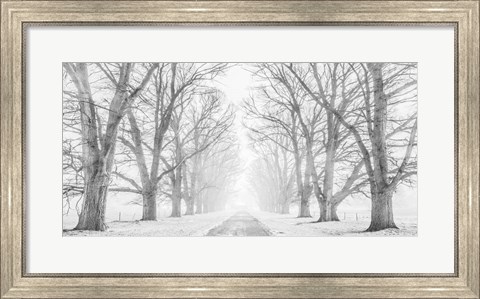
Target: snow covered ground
pixel 291 226
pixel 185 226
pixel 276 224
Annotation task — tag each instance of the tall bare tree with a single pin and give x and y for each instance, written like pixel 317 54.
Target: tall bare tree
pixel 273 173
pixel 218 175
pixel 286 107
pixel 334 83
pixel 211 123
pixel 197 126
pixel 174 84
pixel 390 85
pixel 98 138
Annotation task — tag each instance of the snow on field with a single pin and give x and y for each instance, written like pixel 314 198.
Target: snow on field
pixel 351 225
pixel 291 226
pixel 185 226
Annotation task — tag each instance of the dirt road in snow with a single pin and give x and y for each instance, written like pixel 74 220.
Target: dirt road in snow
pixel 240 224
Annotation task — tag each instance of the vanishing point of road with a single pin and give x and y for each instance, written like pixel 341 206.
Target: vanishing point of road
pixel 240 224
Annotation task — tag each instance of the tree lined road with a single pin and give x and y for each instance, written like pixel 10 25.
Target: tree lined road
pixel 240 224
pixel 174 132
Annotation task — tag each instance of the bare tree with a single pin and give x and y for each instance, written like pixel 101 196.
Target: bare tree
pixel 166 133
pixel 196 127
pixel 217 176
pixel 211 123
pixel 72 166
pixel 390 85
pixel 335 84
pixel 273 173
pixel 173 86
pixel 98 144
pixel 285 95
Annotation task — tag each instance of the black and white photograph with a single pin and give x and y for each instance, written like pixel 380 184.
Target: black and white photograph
pixel 261 149
pixel 240 149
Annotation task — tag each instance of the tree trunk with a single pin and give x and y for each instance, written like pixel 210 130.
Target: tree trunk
pixel 177 193
pixel 333 213
pixel 199 205
pixel 176 207
pixel 92 216
pixel 325 202
pixel 150 204
pixel 305 203
pixel 328 186
pixel 307 190
pixel 149 188
pixel 382 193
pixel 328 210
pixel 304 209
pixel 193 192
pixel 323 205
pixel 187 194
pixel 382 212
pixel 190 206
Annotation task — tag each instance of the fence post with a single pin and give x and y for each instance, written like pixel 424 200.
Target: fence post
pixel 356 216
pixel 119 216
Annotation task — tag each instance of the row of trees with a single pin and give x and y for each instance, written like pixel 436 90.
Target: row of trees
pixel 153 129
pixel 332 130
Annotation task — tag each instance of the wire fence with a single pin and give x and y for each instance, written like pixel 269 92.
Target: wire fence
pixel 348 216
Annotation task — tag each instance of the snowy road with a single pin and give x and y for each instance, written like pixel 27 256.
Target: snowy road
pixel 240 224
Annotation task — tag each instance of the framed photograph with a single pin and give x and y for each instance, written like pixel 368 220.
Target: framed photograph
pixel 250 149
